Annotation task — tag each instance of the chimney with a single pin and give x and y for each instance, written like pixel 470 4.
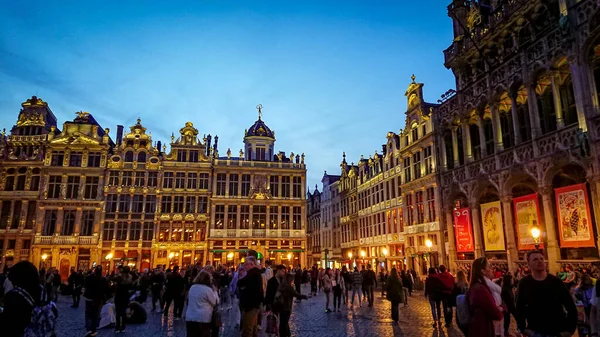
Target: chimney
pixel 215 149
pixel 384 147
pixel 208 144
pixel 119 134
pixel 159 146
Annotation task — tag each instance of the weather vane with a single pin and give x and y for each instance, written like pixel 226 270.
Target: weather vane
pixel 259 108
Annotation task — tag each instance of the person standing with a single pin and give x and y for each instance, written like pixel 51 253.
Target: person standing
pixel 338 289
pixel 157 282
pixel 75 282
pixel 448 283
pixel 327 284
pixel 461 286
pixel 433 292
pixel 369 283
pixel 356 286
pixel 298 282
pixel 286 291
pixel 174 290
pixel 347 282
pixel 237 315
pixel 314 277
pixel 406 286
pixel 124 286
pixel 508 298
pixel 202 300
pixel 273 285
pixel 483 307
pixel 544 305
pixel 395 293
pixel 251 293
pixel 96 292
pixel 383 275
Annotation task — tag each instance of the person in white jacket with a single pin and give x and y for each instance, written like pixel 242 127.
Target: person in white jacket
pixel 202 299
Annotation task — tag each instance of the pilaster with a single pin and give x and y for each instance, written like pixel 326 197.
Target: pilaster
pixel 476 220
pixel 550 229
pixel 512 253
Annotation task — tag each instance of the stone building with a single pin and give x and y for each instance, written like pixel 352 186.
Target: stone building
pixel 258 201
pixel 519 140
pixel 330 249
pixel 313 227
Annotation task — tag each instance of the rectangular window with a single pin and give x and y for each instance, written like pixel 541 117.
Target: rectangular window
pixel 152 179
pixel 121 231
pixel 150 205
pixel 139 179
pixel 68 226
pixel 244 216
pixel 273 214
pixel 203 181
pixel 431 203
pixel 113 178
pixel 285 217
pixel 417 164
pixel 54 183
pixel 221 180
pixel 75 159
pixel 111 204
pixel 31 214
pixel 233 185
pixel 260 153
pixel 87 223
pixel 420 207
pixel 72 187
pixel 231 216
pixel 192 181
pixel 245 185
pixel 91 187
pixel 94 159
pixel 285 186
pixel 259 216
pixel 409 210
pixel 134 231
pixel 148 231
pixel 190 204
pixel 428 160
pixel 202 204
pixel 180 180
pixel 181 155
pixel 127 179
pixel 219 216
pixel 163 233
pixel 274 185
pixel 124 203
pixel 16 218
pixel 108 231
pixel 137 203
pixel 168 180
pixel 49 222
pixel 297 217
pixel 167 201
pixel 58 159
pixel 415 134
pixel 35 182
pixel 407 177
pixel 193 156
pixel 297 188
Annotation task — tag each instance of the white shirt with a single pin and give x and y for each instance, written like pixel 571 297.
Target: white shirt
pixel 201 301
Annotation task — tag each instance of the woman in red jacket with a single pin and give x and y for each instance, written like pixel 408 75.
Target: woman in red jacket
pixel 482 306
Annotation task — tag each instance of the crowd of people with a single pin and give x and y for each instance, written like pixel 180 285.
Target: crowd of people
pixel 260 297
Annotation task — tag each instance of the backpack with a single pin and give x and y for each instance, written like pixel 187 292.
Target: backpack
pixel 43 317
pixel 463 310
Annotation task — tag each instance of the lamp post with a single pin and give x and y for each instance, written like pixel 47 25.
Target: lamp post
pixel 385 253
pixel 429 244
pixel 535 233
pixel 350 258
pixel 44 257
pixel 289 257
pixel 362 254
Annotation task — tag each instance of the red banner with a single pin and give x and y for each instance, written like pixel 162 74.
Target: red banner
pixel 463 230
pixel 573 214
pixel 527 215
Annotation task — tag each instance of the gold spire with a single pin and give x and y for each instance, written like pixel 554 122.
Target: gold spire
pixel 259 108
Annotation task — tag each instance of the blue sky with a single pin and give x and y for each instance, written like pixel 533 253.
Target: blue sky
pixel 331 75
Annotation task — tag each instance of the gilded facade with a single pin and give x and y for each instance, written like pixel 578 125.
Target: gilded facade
pixel 524 124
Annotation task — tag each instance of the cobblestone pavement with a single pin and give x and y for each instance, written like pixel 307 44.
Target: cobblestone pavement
pixel 308 319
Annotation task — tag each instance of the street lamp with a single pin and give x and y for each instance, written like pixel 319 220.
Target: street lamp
pixel 44 257
pixel 289 257
pixel 535 233
pixel 429 244
pixel 363 253
pixel 109 256
pixel 350 258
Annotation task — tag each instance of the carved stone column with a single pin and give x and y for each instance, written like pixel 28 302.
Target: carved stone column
pixel 78 214
pixel 560 121
pixel 455 146
pixel 550 228
pixel 534 116
pixel 581 91
pixel 466 136
pixel 515 120
pixel 512 253
pixel 443 163
pixel 451 239
pixel 476 220
pixel 497 128
pixel 482 147
pixel 59 220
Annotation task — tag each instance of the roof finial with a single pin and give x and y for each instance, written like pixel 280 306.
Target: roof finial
pixel 259 108
pixel 413 78
pixel 139 120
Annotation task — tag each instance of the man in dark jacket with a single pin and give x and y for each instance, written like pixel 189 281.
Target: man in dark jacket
pixel 369 283
pixel 157 281
pixel 273 285
pixel 251 296
pixel 298 282
pixel 174 288
pixel 75 283
pixel 448 284
pixel 97 291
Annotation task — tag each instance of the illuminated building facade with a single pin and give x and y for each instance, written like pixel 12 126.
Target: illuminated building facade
pixel 519 141
pixel 330 249
pixel 313 227
pixel 258 201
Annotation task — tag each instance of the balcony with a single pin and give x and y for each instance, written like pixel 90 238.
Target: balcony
pixel 27 139
pixel 263 164
pixel 88 240
pixel 257 233
pixel 66 240
pixel 24 252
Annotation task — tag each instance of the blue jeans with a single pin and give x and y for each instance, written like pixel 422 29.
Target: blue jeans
pixel 436 310
pixel 356 289
pixel 92 315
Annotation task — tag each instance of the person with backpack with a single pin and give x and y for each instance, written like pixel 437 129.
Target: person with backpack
pixel 434 292
pixel 26 309
pixel 459 291
pixel 395 293
pixel 327 285
pixel 174 292
pixel 483 308
pixel 448 283
pixel 283 301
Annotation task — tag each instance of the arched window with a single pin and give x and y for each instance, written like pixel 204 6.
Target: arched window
pixel 489 136
pixel 449 149
pixel 567 101
pixel 21 177
pixel 547 113
pixel 507 130
pixel 461 150
pixel 141 157
pixel 9 182
pixel 128 156
pixel 524 121
pixel 475 141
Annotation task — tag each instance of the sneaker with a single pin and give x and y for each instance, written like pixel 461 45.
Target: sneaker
pixel 88 334
pixel 258 327
pixel 93 334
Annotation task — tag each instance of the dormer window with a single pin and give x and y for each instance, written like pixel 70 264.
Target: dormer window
pixel 260 153
pixel 141 157
pixel 415 133
pixel 129 156
pixel 181 156
pixel 193 156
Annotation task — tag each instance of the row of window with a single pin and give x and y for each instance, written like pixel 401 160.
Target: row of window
pixel 122 231
pixel 416 206
pixel 12 244
pixel 75 159
pixel 284 186
pixel 16 179
pixel 131 178
pixel 261 217
pixel 73 187
pixel 182 231
pixel 67 227
pixel 11 214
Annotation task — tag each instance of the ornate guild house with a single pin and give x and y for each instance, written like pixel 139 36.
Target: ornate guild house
pixel 74 197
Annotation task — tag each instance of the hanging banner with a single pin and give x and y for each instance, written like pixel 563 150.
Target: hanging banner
pixel 527 215
pixel 463 230
pixel 573 214
pixel 493 229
